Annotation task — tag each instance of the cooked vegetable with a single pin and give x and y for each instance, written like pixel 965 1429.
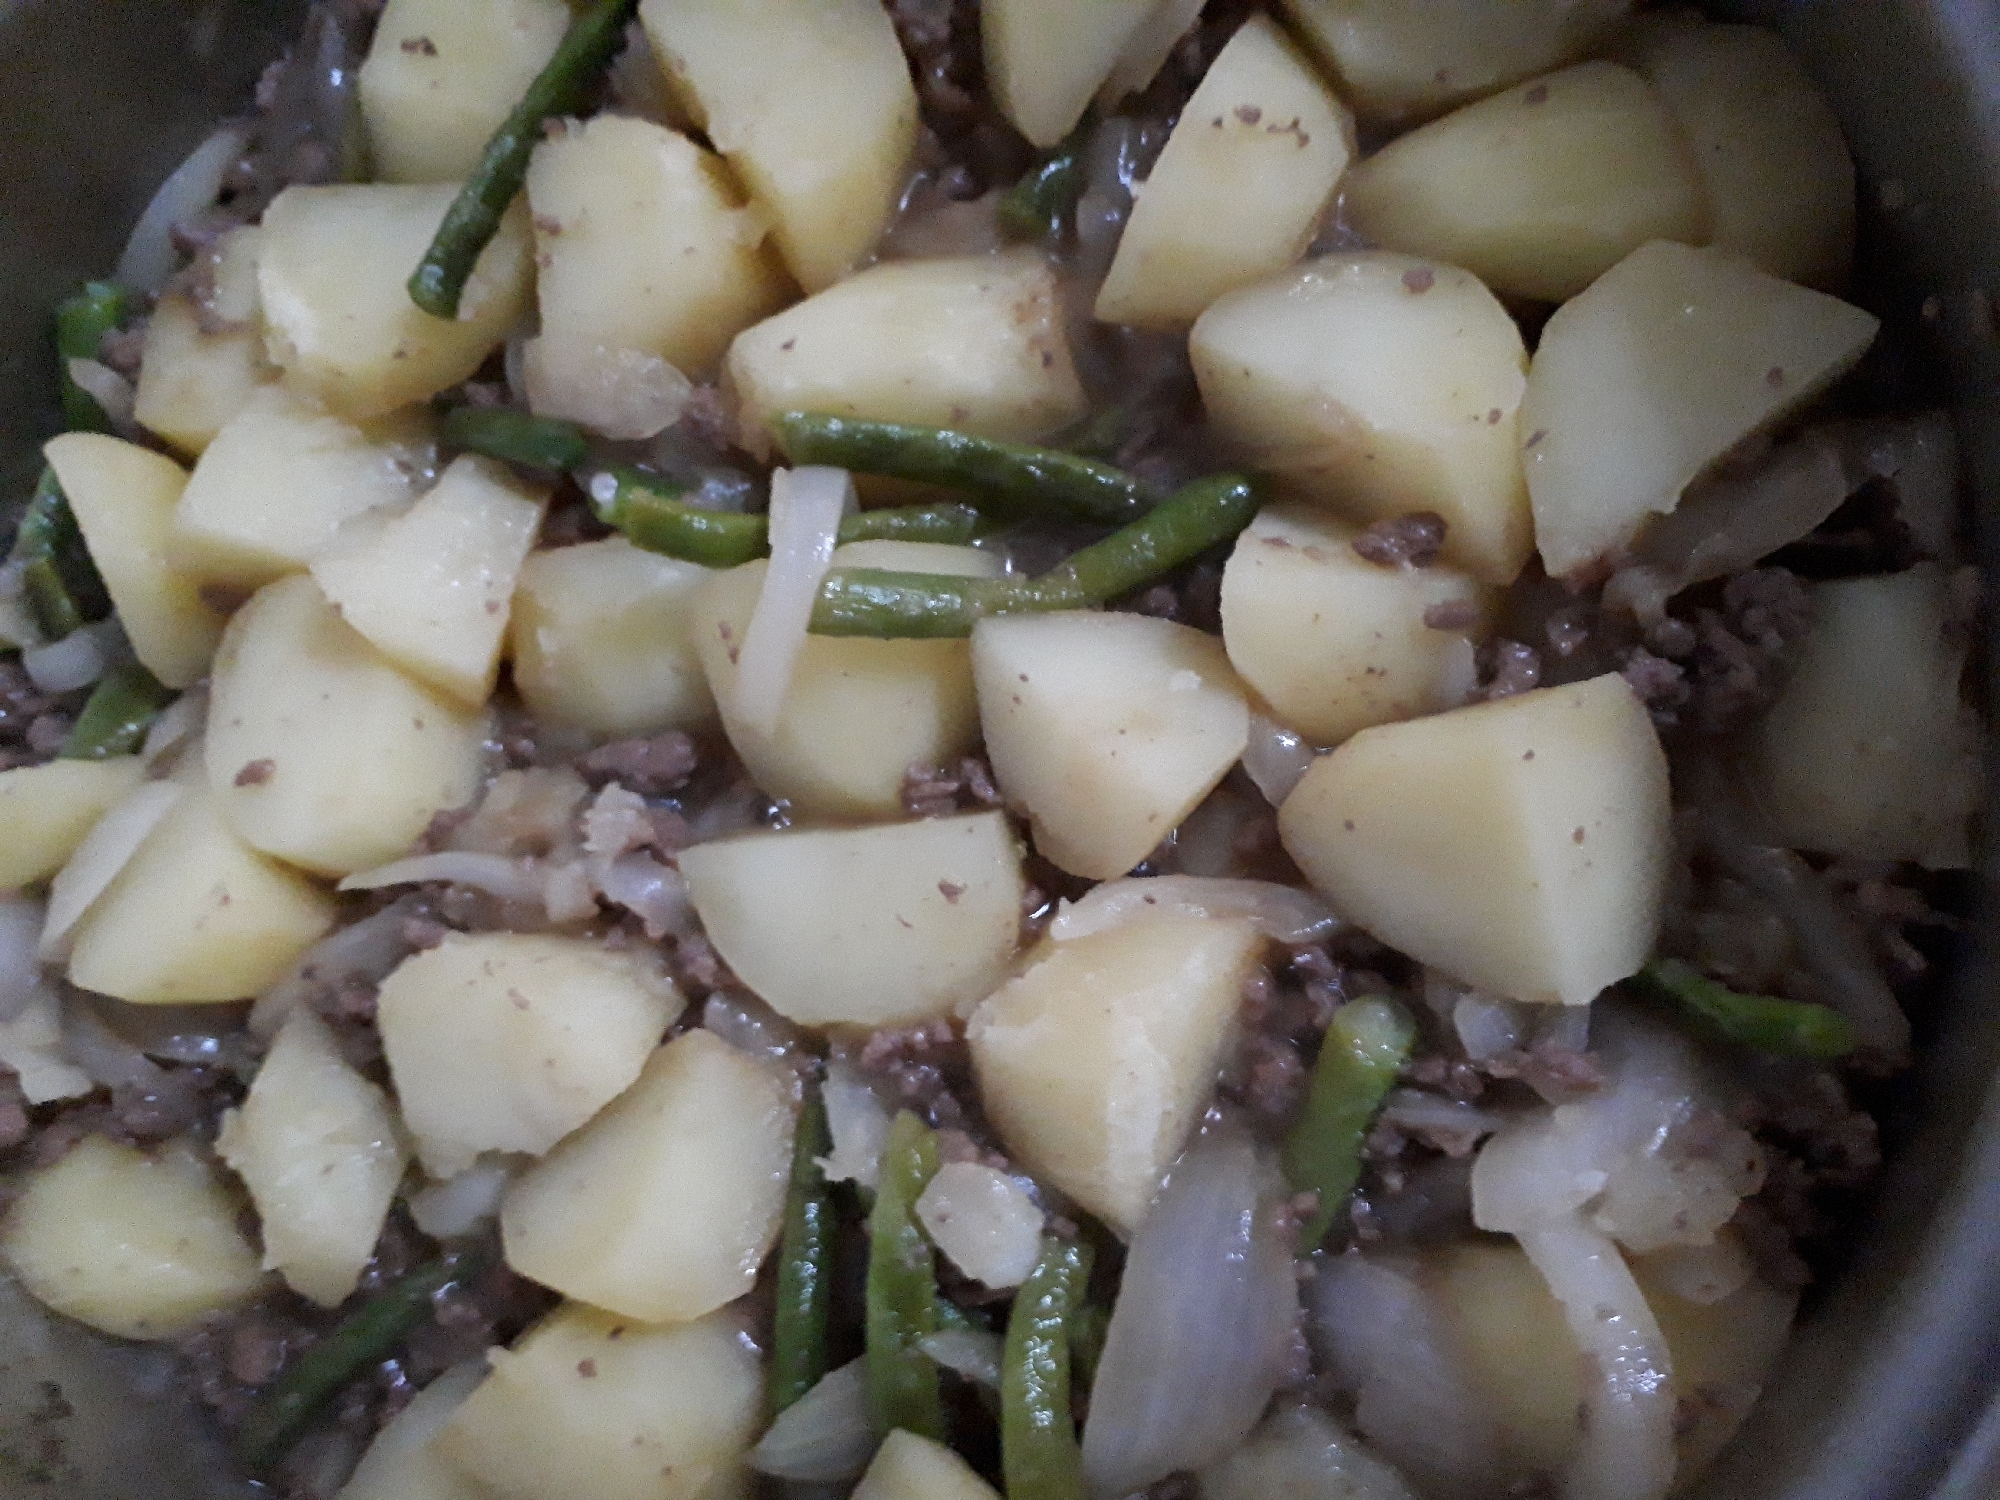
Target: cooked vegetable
pixel 909 1467
pixel 498 432
pixel 1045 58
pixel 1037 206
pixel 1038 1450
pixel 902 1288
pixel 1300 1452
pixel 827 1436
pixel 192 382
pixel 115 718
pixel 46 810
pixel 986 1222
pixel 63 587
pixel 1366 1045
pixel 81 323
pixel 805 1263
pixel 403 1463
pixel 1788 1027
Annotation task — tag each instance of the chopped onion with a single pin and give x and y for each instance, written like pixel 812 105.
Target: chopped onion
pixel 108 1057
pixel 1458 673
pixel 858 1124
pixel 1201 1330
pixel 1276 758
pixel 1486 1027
pixel 104 385
pixel 1454 1126
pixel 31 1043
pixel 625 394
pixel 522 880
pixel 1702 1274
pixel 1734 521
pixel 827 1435
pixel 1283 913
pixel 150 257
pixel 462 1202
pixel 178 724
pixel 75 661
pixel 652 892
pixel 20 975
pixel 986 1222
pixel 749 1025
pixel 969 1353
pixel 366 950
pixel 111 842
pixel 806 507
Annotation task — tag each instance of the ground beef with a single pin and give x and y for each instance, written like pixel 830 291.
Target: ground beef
pixel 1407 541
pixel 33 724
pixel 1821 1153
pixel 14 1121
pixel 1506 668
pixel 1661 685
pixel 924 1068
pixel 935 792
pixel 651 767
pixel 1190 597
pixel 1561 1075
pixel 965 146
pixel 1743 649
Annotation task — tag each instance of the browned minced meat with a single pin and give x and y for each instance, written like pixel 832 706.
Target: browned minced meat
pixel 33 724
pixel 14 1122
pixel 1742 650
pixel 1191 597
pixel 935 792
pixel 1820 1153
pixel 1661 685
pixel 966 146
pixel 1561 1075
pixel 924 1068
pixel 1407 541
pixel 652 767
pixel 1506 668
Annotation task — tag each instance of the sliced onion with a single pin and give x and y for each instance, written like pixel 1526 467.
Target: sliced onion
pixel 20 974
pixel 208 1033
pixel 1283 913
pixel 1733 522
pixel 104 385
pixel 178 724
pixel 522 880
pixel 366 950
pixel 1919 455
pixel 105 850
pixel 150 257
pixel 969 1353
pixel 749 1025
pixel 462 1202
pixel 31 1043
pixel 1276 758
pixel 1200 1331
pixel 827 1435
pixel 987 1223
pixel 858 1124
pixel 652 892
pixel 1453 1125
pixel 108 1057
pixel 625 394
pixel 75 661
pixel 806 507
pixel 1486 1027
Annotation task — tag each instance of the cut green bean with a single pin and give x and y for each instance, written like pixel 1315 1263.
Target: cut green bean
pixel 81 323
pixel 1038 1449
pixel 884 603
pixel 1036 206
pixel 805 1263
pixel 116 716
pixel 561 88
pixel 1087 1327
pixel 903 1388
pixel 63 588
pixel 1020 479
pixel 515 436
pixel 1367 1043
pixel 368 1336
pixel 1763 1023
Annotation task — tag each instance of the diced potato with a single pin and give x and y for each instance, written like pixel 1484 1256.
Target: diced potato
pixel 431 589
pixel 812 104
pixel 972 342
pixel 1520 845
pixel 1398 62
pixel 226 529
pixel 191 382
pixel 665 1205
pixel 138 1246
pixel 984 1221
pixel 908 1467
pixel 1379 385
pixel 318 1147
pixel 1334 643
pixel 403 1462
pixel 859 713
pixel 603 640
pixel 196 915
pixel 1300 1453
pixel 1147 50
pixel 1239 189
pixel 501 1041
pixel 319 750
pixel 31 1043
pixel 124 498
pixel 1671 359
pixel 46 810
pixel 1107 728
pixel 643 244
pixel 1540 190
pixel 1869 752
pixel 867 926
pixel 1095 1065
pixel 441 75
pixel 1779 180
pixel 603 1408
pixel 338 316
pixel 1045 58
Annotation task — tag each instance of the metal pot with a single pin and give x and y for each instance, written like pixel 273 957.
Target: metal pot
pixel 1888 1388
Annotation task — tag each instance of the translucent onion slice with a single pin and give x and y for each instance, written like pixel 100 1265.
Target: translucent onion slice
pixel 150 257
pixel 1283 913
pixel 111 842
pixel 806 507
pixel 1276 758
pixel 827 1435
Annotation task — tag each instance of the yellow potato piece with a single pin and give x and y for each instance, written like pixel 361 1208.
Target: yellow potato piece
pixel 46 810
pixel 192 382
pixel 1045 58
pixel 908 1467
pixel 403 1462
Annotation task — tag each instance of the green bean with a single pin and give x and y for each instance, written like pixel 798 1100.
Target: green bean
pixel 116 716
pixel 367 1337
pixel 1763 1023
pixel 62 584
pixel 1365 1046
pixel 81 323
pixel 1034 207
pixel 561 88
pixel 880 602
pixel 1088 1325
pixel 537 442
pixel 1038 1449
pixel 1012 476
pixel 901 1297
pixel 805 1263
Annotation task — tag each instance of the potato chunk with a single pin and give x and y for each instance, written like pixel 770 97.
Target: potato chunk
pixel 193 381
pixel 1379 385
pixel 603 640
pixel 859 713
pixel 1671 359
pixel 1239 189
pixel 403 1462
pixel 338 315
pixel 1301 1453
pixel 1869 752
pixel 1539 190
pixel 196 915
pixel 441 75
pixel 46 810
pixel 502 1041
pixel 1108 728
pixel 665 1205
pixel 1096 1063
pixel 1334 643
pixel 865 926
pixel 971 342
pixel 319 750
pixel 431 589
pixel 1045 58
pixel 908 1467
pixel 597 1406
pixel 124 498
pixel 812 104
pixel 318 1147
pixel 141 1247
pixel 1521 845
pixel 227 531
